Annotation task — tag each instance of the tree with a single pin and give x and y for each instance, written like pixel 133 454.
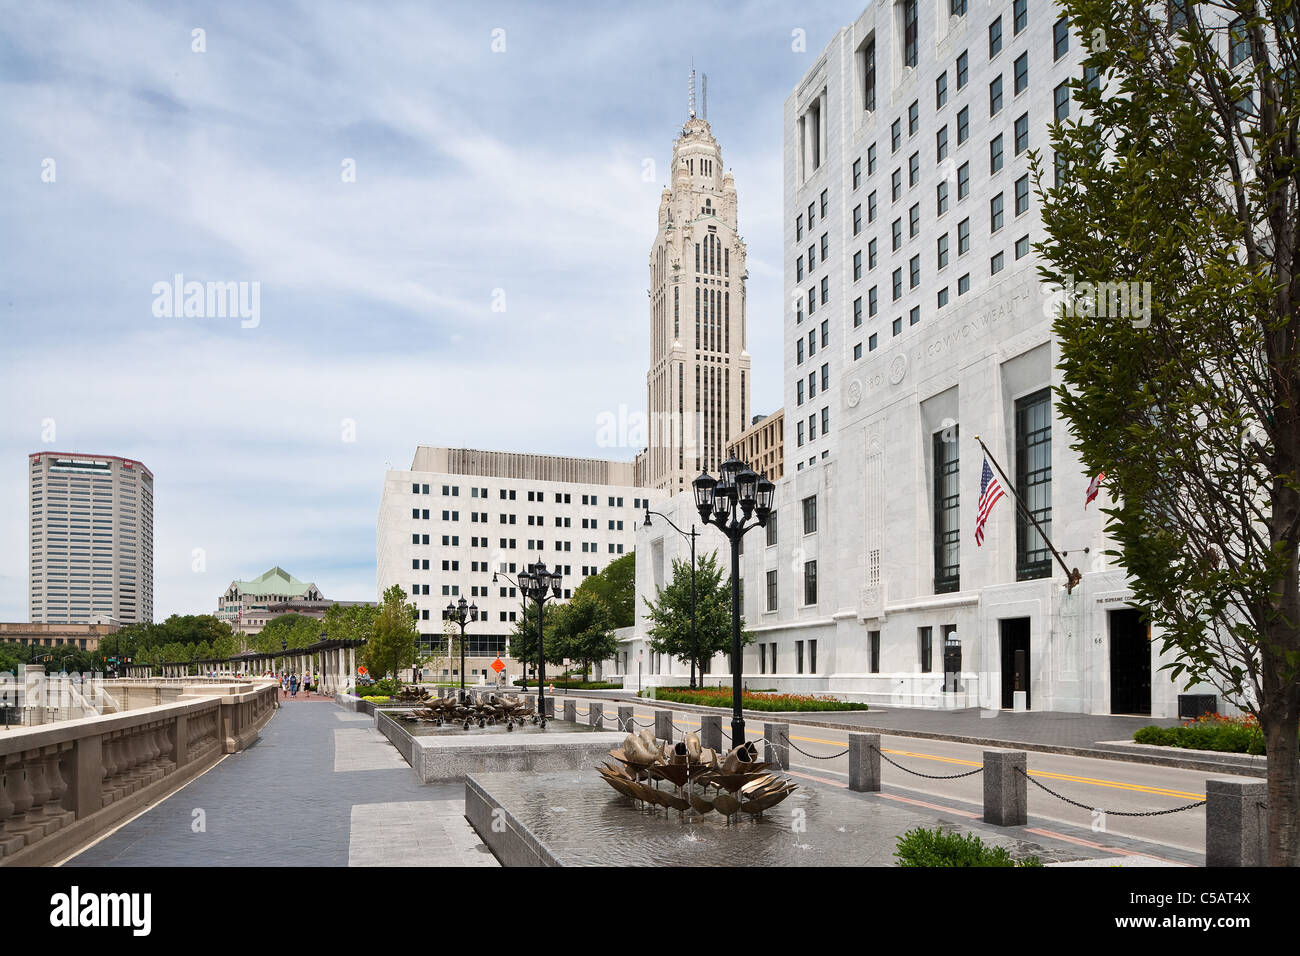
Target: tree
pixel 669 614
pixel 615 586
pixel 1180 171
pixel 523 641
pixel 583 631
pixel 298 630
pixel 392 645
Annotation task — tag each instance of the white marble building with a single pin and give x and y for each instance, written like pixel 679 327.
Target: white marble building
pixel 916 321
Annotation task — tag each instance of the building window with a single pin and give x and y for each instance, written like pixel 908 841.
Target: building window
pixel 963 181
pixel 857 312
pixel 995 95
pixel 771 527
pixel 857 351
pixel 913 170
pixel 909 32
pixel 941 198
pixel 857 172
pixel 1061 101
pixel 895 135
pixel 898 284
pixel 1022 133
pixel 1022 73
pixel 871 160
pixel 771 590
pixel 1020 15
pixel 943 297
pixel 810 582
pixel 810 514
pixel 1034 484
pixel 1022 195
pixel 947 498
pixel 1060 38
pixel 914 221
pixel 873 301
pixel 962 72
pixel 995 213
pixel 857 220
pixel 941 144
pixel 914 316
pixel 913 117
pixel 871 254
pixel 1238 42
pixel 995 38
pixel 926 641
pixel 873 643
pixel 798 230
pixel 1022 247
pixel 914 272
pixel 963 237
pixel 996 262
pixel 869 74
pixel 943 251
pixel 896 185
pixel 995 154
pixel 871 343
pixel 857 266
pixel 897 326
pixel 963 284
pixel 963 124
pixel 941 90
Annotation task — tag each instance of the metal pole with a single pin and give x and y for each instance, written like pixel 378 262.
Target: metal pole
pixel 541 662
pixel 695 644
pixel 737 721
pixel 462 660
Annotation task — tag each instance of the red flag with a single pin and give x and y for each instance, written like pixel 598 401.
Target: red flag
pixel 1093 487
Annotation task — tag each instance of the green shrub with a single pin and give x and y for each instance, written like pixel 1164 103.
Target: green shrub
pixel 922 847
pixel 1224 736
pixel 572 684
pixel 752 700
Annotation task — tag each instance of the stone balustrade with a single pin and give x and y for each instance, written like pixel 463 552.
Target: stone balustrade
pixel 64 784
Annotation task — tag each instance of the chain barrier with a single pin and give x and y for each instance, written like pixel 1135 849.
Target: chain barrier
pixel 1109 813
pixel 927 776
pixel 795 746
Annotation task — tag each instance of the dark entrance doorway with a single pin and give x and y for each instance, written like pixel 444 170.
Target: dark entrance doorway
pixel 1130 662
pixel 1015 659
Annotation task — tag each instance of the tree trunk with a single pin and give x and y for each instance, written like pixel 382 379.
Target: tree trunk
pixel 1280 721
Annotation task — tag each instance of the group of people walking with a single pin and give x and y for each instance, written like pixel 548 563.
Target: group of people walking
pixel 290 684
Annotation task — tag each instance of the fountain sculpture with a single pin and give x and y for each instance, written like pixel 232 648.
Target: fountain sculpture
pixel 739 782
pixel 505 709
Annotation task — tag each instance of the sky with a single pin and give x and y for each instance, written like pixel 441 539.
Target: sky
pixel 445 211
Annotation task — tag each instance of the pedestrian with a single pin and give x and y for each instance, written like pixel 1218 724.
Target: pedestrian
pixel 293 686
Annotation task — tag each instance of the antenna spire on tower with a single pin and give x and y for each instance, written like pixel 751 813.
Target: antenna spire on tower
pixel 691 98
pixel 704 96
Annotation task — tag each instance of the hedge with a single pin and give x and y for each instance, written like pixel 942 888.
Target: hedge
pixel 922 847
pixel 1237 738
pixel 750 700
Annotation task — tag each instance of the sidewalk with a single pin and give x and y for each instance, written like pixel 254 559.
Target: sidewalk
pixel 321 787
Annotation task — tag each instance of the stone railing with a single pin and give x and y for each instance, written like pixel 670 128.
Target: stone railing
pixel 63 784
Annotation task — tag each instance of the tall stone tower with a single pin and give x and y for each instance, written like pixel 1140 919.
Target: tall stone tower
pixel 698 384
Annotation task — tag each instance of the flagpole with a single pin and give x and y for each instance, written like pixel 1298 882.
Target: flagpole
pixel 1072 575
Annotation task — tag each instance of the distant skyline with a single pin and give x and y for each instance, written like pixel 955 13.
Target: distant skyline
pixel 445 216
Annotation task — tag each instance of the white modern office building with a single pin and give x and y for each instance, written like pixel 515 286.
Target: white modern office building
pixel 917 322
pixel 90 539
pixel 458 515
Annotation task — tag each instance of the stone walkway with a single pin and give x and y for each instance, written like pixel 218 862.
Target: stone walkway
pixel 321 787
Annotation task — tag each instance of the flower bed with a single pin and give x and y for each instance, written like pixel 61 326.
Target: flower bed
pixel 572 684
pixel 751 700
pixel 1238 735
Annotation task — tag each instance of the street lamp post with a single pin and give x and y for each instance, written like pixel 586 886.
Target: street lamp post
pixel 729 504
pixel 284 655
pixel 695 644
pixel 535 581
pixel 461 613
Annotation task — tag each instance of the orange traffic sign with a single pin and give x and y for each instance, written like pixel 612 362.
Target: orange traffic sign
pixel 498 666
pixel 361 669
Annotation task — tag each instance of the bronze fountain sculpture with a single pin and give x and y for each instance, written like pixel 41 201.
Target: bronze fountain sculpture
pixel 504 709
pixel 703 779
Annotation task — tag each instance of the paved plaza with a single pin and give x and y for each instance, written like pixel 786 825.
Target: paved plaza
pixel 321 787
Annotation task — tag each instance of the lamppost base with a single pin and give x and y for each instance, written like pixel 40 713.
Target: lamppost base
pixel 737 731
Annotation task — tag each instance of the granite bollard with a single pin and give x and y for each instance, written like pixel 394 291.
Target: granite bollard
pixel 711 731
pixel 1236 827
pixel 625 723
pixel 864 762
pixel 596 714
pixel 1005 801
pixel 571 711
pixel 664 725
pixel 777 745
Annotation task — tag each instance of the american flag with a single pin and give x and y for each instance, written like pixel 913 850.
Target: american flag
pixel 990 492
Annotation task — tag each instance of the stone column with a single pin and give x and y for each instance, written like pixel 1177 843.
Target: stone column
pixel 711 731
pixel 777 745
pixel 625 723
pixel 571 711
pixel 596 714
pixel 1005 800
pixel 664 725
pixel 1236 826
pixel 864 762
